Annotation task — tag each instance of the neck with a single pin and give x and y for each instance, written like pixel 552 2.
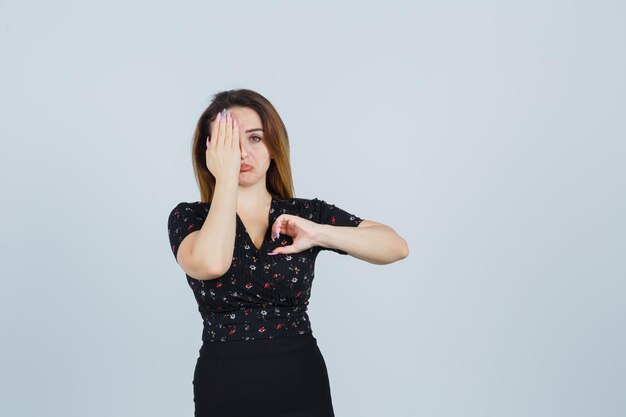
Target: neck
pixel 250 199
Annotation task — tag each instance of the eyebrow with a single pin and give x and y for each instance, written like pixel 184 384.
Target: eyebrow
pixel 254 130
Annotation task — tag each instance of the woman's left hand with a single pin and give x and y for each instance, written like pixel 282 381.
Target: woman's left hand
pixel 301 231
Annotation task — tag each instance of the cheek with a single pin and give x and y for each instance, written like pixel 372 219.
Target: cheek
pixel 266 152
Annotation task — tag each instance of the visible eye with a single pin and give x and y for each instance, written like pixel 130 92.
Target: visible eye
pixel 258 137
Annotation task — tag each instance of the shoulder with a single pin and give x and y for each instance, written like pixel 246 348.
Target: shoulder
pixel 302 202
pixel 303 207
pixel 315 209
pixel 185 218
pixel 188 209
pixel 310 204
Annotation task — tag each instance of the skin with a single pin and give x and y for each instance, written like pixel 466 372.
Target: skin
pixel 232 146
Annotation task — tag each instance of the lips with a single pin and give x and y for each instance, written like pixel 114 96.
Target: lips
pixel 245 167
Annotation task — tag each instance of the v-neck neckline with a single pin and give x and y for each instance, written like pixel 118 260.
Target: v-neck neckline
pixel 267 231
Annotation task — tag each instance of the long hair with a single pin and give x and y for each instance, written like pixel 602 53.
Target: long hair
pixel 279 181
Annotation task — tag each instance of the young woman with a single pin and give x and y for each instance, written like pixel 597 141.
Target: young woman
pixel 248 249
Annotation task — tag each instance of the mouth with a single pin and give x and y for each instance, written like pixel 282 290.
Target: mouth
pixel 245 167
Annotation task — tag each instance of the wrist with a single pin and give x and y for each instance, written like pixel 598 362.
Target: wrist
pixel 322 235
pixel 227 183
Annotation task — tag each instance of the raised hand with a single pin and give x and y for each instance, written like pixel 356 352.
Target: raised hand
pixel 223 155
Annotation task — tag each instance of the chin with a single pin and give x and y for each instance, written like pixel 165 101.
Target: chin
pixel 249 181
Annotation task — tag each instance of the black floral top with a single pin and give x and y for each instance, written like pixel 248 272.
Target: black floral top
pixel 260 296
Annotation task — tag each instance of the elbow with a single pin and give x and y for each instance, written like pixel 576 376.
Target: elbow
pixel 394 254
pixel 401 247
pixel 209 271
pixel 398 250
pixel 216 266
pixel 213 271
pixel 404 249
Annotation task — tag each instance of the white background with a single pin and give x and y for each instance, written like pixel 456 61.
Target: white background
pixel 489 134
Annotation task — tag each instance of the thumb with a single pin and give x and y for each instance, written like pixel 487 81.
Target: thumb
pixel 283 250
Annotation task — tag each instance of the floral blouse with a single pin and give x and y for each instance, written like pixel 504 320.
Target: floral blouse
pixel 260 296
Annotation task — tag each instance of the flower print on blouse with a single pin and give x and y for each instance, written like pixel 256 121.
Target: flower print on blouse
pixel 261 296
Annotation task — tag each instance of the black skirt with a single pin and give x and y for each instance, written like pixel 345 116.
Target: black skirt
pixel 280 377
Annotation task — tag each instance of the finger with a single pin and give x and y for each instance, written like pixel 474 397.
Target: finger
pixel 276 227
pixel 283 250
pixel 221 129
pixel 215 130
pixel 229 130
pixel 281 223
pixel 235 134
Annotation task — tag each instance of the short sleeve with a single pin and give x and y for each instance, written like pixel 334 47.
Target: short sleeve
pixel 182 221
pixel 326 213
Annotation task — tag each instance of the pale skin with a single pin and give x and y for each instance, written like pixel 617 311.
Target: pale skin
pixel 238 140
pixel 207 253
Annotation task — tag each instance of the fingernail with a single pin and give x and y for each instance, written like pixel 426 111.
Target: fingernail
pixel 269 253
pixel 219 116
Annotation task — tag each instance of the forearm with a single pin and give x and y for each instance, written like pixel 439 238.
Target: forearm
pixel 216 239
pixel 377 244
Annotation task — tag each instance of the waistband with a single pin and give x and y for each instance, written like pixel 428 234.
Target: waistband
pixel 255 322
pixel 258 347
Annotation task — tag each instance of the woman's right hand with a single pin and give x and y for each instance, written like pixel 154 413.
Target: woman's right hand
pixel 223 155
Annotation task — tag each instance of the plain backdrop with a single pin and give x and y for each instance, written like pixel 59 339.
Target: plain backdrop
pixel 489 134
